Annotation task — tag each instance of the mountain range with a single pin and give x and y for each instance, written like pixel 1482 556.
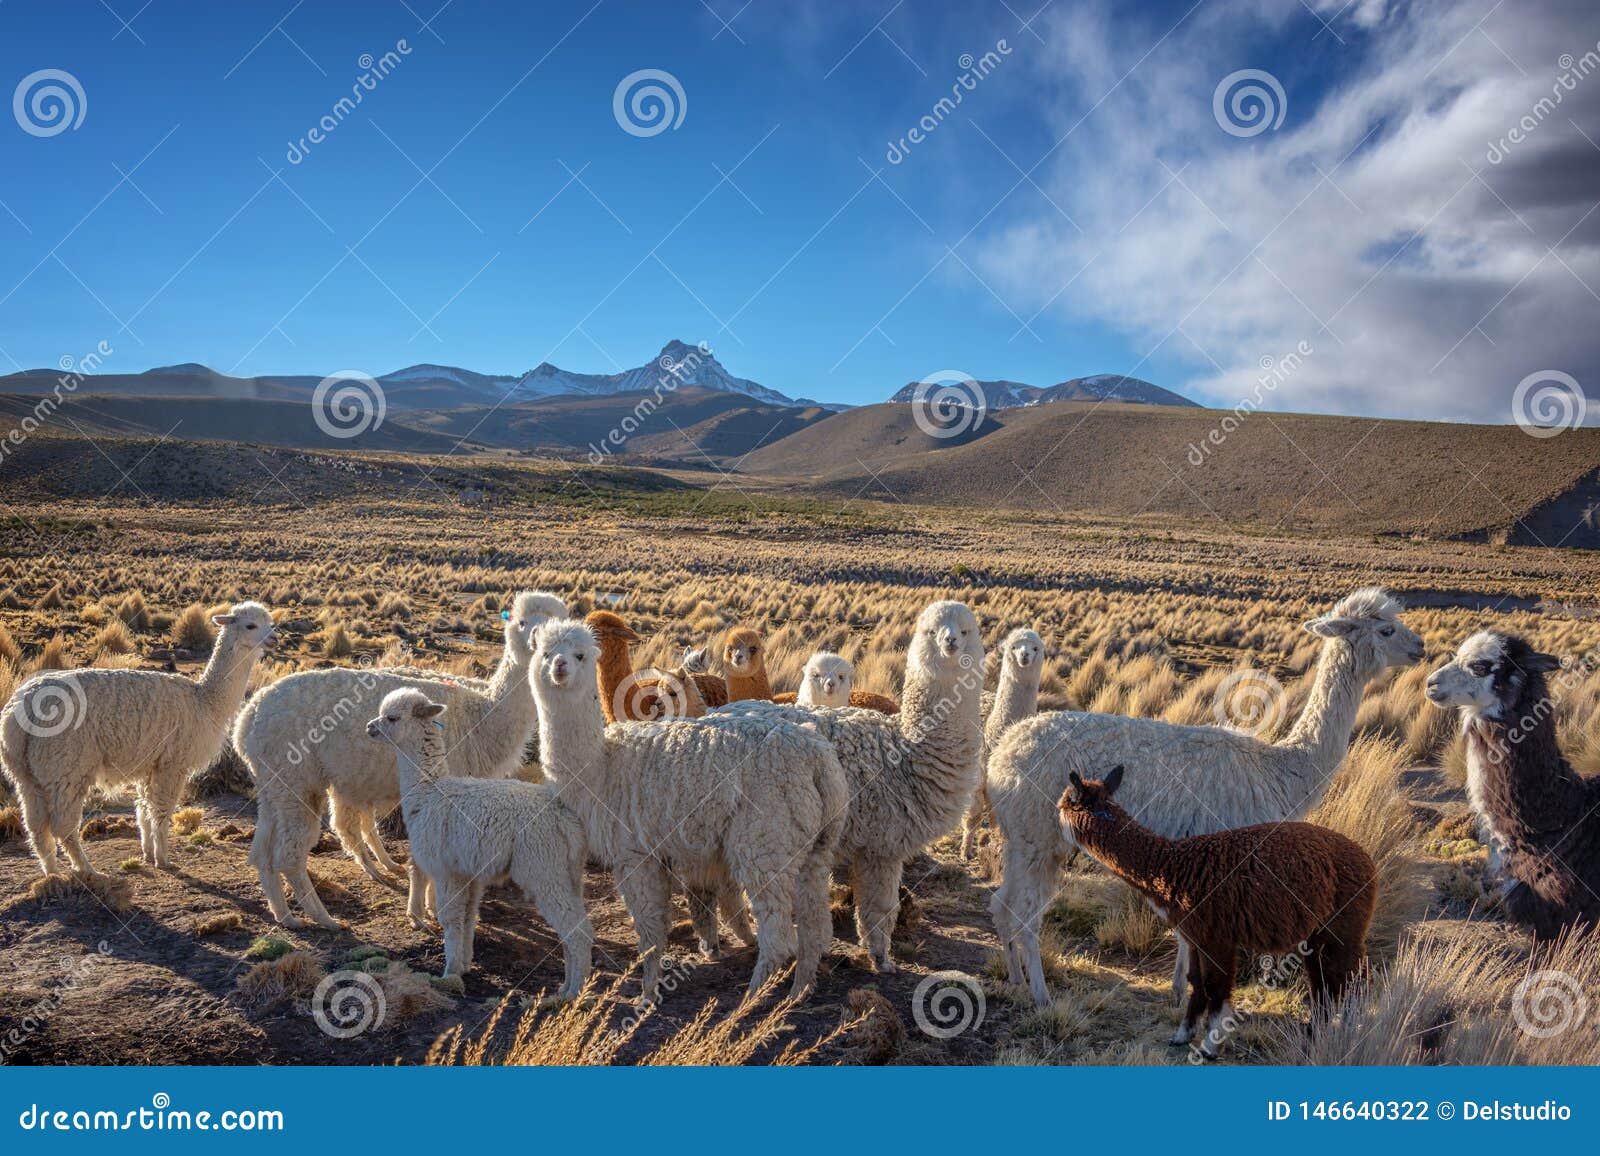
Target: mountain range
pixel 1100 387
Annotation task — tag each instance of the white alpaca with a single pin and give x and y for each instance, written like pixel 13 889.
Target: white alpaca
pixel 1016 698
pixel 911 775
pixel 826 680
pixel 708 800
pixel 303 740
pixel 1182 780
pixel 468 833
pixel 67 731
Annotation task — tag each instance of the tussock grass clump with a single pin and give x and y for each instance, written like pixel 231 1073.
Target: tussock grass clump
pixel 108 827
pixel 1365 804
pixel 114 638
pixel 51 599
pixel 10 823
pixel 133 612
pixel 131 865
pixel 269 983
pixel 192 629
pixel 9 650
pixel 187 820
pixel 579 1033
pixel 218 924
pixel 107 890
pixel 1489 998
pixel 873 1031
pixel 53 655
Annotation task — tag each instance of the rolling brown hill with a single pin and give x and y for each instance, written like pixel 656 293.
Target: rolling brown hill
pixel 1295 471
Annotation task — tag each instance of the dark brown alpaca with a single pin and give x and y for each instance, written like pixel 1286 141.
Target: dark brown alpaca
pixel 1275 888
pixel 1543 817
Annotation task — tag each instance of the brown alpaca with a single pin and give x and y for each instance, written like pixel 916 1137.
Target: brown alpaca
pixel 624 698
pixel 744 658
pixel 1274 888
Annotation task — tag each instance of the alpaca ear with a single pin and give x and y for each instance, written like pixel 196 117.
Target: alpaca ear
pixel 1074 786
pixel 1113 780
pixel 224 619
pixel 427 710
pixel 1542 663
pixel 1330 627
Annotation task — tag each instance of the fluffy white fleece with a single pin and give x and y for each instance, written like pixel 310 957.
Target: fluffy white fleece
pixel 911 775
pixel 466 834
pixel 1015 698
pixel 303 739
pixel 704 801
pixel 67 731
pixel 1182 780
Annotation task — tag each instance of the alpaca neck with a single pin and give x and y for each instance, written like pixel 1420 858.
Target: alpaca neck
pixel 946 716
pixel 1526 783
pixel 222 684
pixel 749 685
pixel 420 767
pixel 1015 699
pixel 572 741
pixel 510 677
pixel 1323 729
pixel 611 671
pixel 1133 853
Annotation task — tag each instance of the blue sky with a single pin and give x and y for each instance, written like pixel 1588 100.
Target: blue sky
pixel 1083 210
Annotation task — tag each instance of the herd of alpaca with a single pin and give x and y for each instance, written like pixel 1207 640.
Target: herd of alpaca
pixel 747 799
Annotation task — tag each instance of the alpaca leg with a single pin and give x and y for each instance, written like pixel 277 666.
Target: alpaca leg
pixel 1197 1002
pixel 36 819
pixel 263 856
pixel 877 886
pixel 773 898
pixel 1180 969
pixel 455 902
pixel 71 839
pixel 813 920
pixel 474 901
pixel 1218 976
pixel 417 898
pixel 731 905
pixel 305 894
pixel 973 819
pixel 162 800
pixel 703 915
pixel 560 904
pixel 349 825
pixel 647 891
pixel 374 842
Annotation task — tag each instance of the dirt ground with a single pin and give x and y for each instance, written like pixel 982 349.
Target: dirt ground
pixel 167 996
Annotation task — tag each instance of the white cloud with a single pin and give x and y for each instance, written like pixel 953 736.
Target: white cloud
pixel 1358 226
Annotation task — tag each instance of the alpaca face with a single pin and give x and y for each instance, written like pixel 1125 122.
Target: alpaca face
pixel 530 610
pixel 1487 675
pixel 564 655
pixel 743 651
pixel 401 717
pixel 946 638
pixel 1023 649
pixel 1085 800
pixel 1369 621
pixel 608 626
pixel 828 679
pixel 249 623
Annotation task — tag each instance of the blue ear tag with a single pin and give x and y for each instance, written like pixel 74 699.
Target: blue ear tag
pixel 505 616
pixel 438 724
